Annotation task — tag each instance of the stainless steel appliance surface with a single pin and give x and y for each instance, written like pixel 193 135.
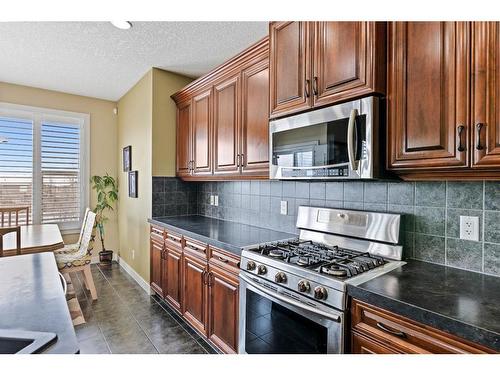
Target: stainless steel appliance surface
pixel 293 293
pixel 336 142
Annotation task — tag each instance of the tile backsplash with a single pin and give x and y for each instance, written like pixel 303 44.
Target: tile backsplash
pixel 430 225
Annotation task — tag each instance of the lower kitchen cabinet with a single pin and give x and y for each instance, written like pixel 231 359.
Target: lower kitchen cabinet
pixel 195 291
pixel 223 302
pixel 200 282
pixel 377 331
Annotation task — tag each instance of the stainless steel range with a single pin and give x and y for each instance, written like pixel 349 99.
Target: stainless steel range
pixel 293 293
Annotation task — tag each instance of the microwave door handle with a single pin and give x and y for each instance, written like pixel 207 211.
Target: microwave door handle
pixel 290 301
pixel 351 141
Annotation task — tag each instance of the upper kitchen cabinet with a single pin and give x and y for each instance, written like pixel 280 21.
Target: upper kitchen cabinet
pixel 254 121
pixel 428 95
pixel 314 64
pixel 201 127
pixel 485 134
pixel 223 119
pixel 289 58
pixel 184 138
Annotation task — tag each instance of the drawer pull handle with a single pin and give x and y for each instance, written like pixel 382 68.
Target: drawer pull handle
pixel 479 126
pixel 173 239
pixel 223 259
pixel 391 331
pixel 460 130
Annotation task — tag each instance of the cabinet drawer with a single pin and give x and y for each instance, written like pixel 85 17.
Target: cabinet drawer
pixel 173 240
pixel 195 248
pixel 404 335
pixel 364 345
pixel 224 259
pixel 156 234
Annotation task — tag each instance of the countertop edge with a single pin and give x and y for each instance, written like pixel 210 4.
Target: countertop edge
pixel 433 319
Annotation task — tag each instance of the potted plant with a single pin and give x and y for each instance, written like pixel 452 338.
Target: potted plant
pixel 107 194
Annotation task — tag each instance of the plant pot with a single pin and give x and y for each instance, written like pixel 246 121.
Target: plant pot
pixel 106 257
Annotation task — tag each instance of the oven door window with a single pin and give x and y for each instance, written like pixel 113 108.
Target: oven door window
pixel 317 145
pixel 272 328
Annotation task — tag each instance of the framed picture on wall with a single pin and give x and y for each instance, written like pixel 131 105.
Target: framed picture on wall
pixel 127 159
pixel 132 184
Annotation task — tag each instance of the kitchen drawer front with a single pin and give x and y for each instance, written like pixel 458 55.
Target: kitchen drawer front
pixel 156 234
pixel 363 345
pixel 196 248
pixel 173 240
pixel 224 260
pixel 404 335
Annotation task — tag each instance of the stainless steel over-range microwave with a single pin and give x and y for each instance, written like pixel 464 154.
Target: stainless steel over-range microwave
pixel 337 142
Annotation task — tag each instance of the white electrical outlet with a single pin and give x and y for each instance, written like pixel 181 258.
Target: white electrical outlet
pixel 133 254
pixel 469 228
pixel 216 200
pixel 212 200
pixel 284 208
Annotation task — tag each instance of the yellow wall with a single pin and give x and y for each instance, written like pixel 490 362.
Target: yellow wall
pixel 164 122
pixel 135 129
pixel 103 132
pixel 146 121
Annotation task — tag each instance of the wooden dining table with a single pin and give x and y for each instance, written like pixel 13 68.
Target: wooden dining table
pixel 34 239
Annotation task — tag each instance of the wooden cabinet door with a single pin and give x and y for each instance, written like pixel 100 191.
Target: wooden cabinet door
pixel 428 97
pixel 363 345
pixel 255 119
pixel 202 133
pixel 156 257
pixel 226 126
pixel 184 139
pixel 223 309
pixel 289 58
pixel 486 94
pixel 348 60
pixel 172 273
pixel 194 291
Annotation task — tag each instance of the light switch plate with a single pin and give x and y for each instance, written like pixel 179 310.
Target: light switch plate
pixel 212 200
pixel 469 228
pixel 284 208
pixel 216 200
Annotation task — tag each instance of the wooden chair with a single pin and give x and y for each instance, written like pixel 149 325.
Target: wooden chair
pixel 10 216
pixel 4 231
pixel 77 257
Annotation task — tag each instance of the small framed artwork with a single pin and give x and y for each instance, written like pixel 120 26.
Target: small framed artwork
pixel 127 159
pixel 132 184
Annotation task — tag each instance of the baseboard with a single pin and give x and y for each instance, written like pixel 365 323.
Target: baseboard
pixel 138 279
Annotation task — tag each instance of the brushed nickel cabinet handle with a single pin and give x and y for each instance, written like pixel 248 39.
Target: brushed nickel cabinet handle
pixel 306 88
pixel 390 331
pixel 460 130
pixel 238 160
pixel 479 126
pixel 242 160
pixel 315 86
pixel 223 259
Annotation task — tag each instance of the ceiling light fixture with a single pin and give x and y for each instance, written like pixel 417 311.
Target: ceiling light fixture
pixel 3 139
pixel 123 25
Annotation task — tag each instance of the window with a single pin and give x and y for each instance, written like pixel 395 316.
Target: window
pixel 44 163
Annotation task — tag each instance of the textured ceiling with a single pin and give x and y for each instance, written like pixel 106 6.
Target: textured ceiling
pixel 96 59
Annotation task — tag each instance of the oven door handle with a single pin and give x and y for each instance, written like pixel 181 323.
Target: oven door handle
pixel 290 301
pixel 351 142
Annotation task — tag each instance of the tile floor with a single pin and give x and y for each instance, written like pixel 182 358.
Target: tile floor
pixel 125 319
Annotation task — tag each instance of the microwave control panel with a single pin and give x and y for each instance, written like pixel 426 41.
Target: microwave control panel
pixel 317 172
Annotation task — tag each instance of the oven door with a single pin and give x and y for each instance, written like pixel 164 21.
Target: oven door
pixel 335 142
pixel 277 321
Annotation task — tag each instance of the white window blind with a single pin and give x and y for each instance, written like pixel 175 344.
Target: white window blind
pixel 16 163
pixel 60 173
pixel 44 163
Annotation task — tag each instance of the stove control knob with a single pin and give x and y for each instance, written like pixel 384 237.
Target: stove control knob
pixel 304 286
pixel 262 270
pixel 280 277
pixel 250 265
pixel 320 292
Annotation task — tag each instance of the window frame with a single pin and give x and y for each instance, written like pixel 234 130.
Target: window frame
pixel 38 115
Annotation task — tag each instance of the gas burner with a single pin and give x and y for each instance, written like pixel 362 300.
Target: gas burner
pixel 276 253
pixel 334 270
pixel 303 260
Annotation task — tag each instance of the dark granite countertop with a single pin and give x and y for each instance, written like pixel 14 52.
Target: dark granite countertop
pixel 32 299
pixel 224 234
pixel 463 303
